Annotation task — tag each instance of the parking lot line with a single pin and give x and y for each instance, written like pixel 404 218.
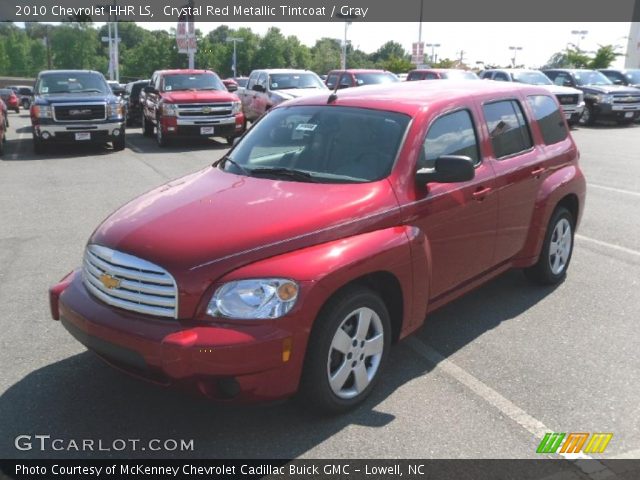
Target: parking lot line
pixel 593 468
pixel 609 245
pixel 613 189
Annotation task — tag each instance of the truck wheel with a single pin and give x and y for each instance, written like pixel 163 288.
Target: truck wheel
pixel 119 142
pixel 25 104
pixel 147 127
pixel 556 250
pixel 347 351
pixel 2 142
pixel 587 117
pixel 38 147
pixel 230 140
pixel 160 138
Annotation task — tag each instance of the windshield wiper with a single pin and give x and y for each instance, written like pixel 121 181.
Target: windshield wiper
pixel 284 172
pixel 226 159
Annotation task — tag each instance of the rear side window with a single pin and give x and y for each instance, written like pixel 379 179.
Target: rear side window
pixel 501 77
pixel 332 80
pixel 507 128
pixel 451 134
pixel 549 119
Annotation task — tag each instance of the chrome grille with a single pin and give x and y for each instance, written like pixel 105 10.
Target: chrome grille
pixel 79 112
pixel 128 282
pixel 624 98
pixel 567 99
pixel 204 109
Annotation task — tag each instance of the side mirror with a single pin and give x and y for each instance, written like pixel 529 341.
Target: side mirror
pixel 617 81
pixel 259 88
pixel 567 83
pixel 232 87
pixel 150 89
pixel 447 169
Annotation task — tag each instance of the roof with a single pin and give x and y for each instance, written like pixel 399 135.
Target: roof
pixel 281 70
pixel 411 97
pixel 440 70
pixel 46 72
pixel 182 71
pixel 360 70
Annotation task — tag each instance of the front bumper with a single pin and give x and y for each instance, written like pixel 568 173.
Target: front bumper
pixel 220 361
pixel 230 126
pixel 573 111
pixel 63 132
pixel 617 111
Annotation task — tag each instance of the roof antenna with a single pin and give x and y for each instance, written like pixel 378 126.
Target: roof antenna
pixel 334 95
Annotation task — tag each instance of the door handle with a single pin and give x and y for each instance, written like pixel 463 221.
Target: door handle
pixel 480 193
pixel 538 171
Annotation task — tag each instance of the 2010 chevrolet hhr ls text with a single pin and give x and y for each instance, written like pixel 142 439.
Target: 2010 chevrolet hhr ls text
pixel 328 232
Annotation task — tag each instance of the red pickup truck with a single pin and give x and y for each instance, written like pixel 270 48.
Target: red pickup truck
pixel 189 103
pixel 327 233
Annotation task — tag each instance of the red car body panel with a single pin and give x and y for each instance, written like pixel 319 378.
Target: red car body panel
pixel 212 227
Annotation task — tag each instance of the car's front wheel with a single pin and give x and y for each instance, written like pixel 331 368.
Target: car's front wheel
pixel 347 351
pixel 147 127
pixel 587 117
pixel 556 250
pixel 160 137
pixel 119 142
pixel 25 104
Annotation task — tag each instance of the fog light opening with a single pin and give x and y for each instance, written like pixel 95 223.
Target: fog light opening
pixel 46 135
pixel 116 132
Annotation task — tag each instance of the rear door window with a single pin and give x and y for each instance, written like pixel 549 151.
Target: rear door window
pixel 451 134
pixel 508 128
pixel 549 118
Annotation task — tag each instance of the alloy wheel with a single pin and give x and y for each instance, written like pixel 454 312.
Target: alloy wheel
pixel 560 246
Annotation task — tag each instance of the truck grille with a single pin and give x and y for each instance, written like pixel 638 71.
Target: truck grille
pixel 626 98
pixel 205 110
pixel 129 282
pixel 79 113
pixel 567 99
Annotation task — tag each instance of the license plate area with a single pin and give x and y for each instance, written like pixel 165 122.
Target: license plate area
pixel 206 130
pixel 83 136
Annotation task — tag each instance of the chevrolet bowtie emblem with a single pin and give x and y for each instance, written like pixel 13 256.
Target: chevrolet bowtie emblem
pixel 109 282
pixel 206 110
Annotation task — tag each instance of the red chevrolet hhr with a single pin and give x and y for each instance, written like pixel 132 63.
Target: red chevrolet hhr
pixel 328 232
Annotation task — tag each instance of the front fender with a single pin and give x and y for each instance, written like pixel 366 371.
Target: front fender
pixel 560 184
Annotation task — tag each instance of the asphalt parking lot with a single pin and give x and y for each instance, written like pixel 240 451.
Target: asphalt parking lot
pixel 484 378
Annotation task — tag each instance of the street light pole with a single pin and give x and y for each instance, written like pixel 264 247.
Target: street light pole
pixel 235 40
pixel 581 36
pixel 515 50
pixel 433 50
pixel 116 51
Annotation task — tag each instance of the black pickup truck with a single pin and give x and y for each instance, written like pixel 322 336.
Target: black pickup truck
pixel 603 99
pixel 75 106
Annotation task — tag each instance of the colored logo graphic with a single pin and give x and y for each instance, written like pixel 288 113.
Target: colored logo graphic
pixel 573 442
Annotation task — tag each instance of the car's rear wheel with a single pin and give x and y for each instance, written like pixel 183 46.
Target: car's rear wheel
pixel 556 250
pixel 147 127
pixel 25 104
pixel 347 351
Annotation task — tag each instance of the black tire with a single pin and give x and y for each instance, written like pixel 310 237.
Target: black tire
pixel 38 146
pixel 161 139
pixel 230 140
pixel 119 142
pixel 17 109
pixel 147 127
pixel 315 389
pixel 587 117
pixel 25 104
pixel 543 272
pixel 2 142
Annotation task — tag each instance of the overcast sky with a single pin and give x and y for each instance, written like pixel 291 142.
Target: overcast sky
pixel 487 42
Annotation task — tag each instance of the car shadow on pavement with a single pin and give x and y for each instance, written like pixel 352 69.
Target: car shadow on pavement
pixel 80 397
pixel 137 142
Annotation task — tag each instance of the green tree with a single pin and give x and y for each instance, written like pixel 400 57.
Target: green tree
pixel 325 55
pixel 389 50
pixel 271 53
pixel 604 57
pixel 75 45
pixel 397 65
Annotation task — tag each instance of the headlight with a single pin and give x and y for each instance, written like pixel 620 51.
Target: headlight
pixel 42 111
pixel 236 107
pixel 115 110
pixel 169 109
pixel 580 98
pixel 604 98
pixel 260 298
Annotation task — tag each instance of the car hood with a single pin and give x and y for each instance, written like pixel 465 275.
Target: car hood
pixel 560 90
pixel 290 93
pixel 198 96
pixel 610 89
pixel 206 224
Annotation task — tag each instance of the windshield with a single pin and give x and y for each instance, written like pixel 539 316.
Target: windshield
pixel 194 81
pixel 375 77
pixel 460 75
pixel 591 77
pixel 633 76
pixel 330 144
pixel 531 78
pixel 242 82
pixel 284 81
pixel 71 82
